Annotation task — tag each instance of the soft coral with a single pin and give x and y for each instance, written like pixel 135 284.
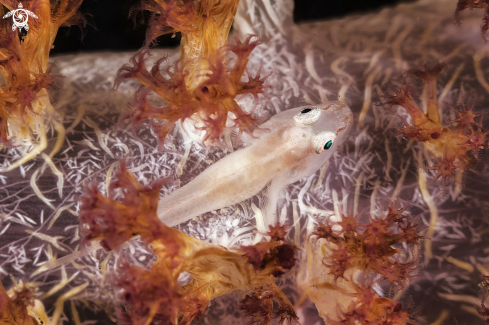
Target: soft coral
pixel 209 99
pixel 456 143
pixel 24 100
pixel 370 246
pixel 204 83
pixel 346 257
pixel 369 308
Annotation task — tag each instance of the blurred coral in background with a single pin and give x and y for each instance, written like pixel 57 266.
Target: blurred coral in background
pixel 471 4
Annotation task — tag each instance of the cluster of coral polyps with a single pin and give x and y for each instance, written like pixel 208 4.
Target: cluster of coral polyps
pixel 207 103
pixel 203 84
pixel 346 258
pixel 456 143
pixel 24 96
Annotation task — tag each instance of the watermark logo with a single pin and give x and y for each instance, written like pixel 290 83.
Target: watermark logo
pixel 20 17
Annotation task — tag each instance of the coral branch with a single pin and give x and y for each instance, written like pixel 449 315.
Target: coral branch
pixel 402 97
pixel 345 259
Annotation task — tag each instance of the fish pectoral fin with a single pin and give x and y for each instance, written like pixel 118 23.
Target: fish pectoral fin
pixel 269 202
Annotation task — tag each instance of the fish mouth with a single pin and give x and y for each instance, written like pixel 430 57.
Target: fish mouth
pixel 342 112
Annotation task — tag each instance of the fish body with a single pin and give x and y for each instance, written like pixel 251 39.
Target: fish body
pixel 291 145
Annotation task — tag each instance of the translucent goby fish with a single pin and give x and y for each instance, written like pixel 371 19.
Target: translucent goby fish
pixel 291 145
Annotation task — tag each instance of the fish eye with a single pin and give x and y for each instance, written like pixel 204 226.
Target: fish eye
pixel 323 141
pixel 328 145
pixel 308 116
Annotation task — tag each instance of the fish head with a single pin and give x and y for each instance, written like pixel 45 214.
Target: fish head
pixel 311 134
